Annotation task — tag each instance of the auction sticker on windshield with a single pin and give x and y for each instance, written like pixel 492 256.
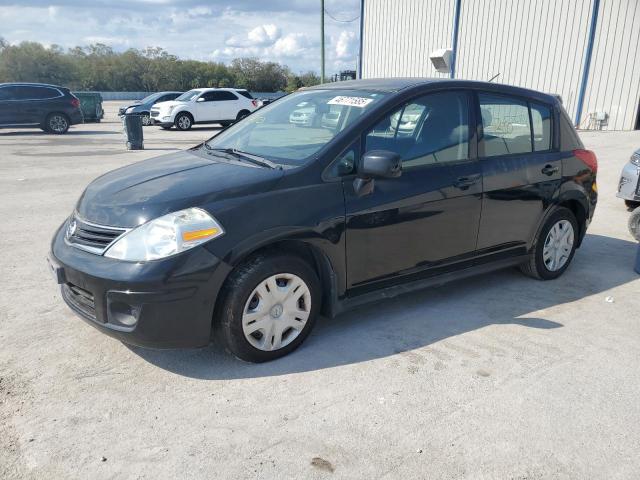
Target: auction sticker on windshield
pixel 350 101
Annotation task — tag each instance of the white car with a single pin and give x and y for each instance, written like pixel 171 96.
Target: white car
pixel 204 105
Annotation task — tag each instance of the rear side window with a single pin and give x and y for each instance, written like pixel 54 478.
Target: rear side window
pixel 36 93
pixel 244 93
pixel 432 129
pixel 541 123
pixel 219 96
pixel 506 125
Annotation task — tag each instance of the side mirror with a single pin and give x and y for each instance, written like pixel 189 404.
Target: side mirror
pixel 201 99
pixel 380 164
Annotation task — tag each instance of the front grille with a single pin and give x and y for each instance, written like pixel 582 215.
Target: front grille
pixel 155 113
pixel 80 300
pixel 91 237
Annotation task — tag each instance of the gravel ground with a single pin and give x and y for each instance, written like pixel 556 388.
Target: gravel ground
pixel 499 376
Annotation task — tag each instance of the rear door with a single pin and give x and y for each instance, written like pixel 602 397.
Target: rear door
pixel 429 215
pixel 39 101
pixel 521 169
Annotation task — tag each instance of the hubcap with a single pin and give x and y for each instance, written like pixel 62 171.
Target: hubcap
pixel 558 245
pixel 146 120
pixel 184 122
pixel 276 312
pixel 58 123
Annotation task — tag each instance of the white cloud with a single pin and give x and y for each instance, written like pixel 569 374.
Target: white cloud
pixel 347 45
pixel 285 31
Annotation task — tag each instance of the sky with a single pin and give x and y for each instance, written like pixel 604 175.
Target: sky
pixel 285 31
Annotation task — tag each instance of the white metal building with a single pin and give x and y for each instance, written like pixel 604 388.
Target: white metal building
pixel 587 51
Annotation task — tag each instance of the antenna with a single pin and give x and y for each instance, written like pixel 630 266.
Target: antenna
pixel 494 77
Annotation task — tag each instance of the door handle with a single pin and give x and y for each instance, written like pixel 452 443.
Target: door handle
pixel 464 183
pixel 550 170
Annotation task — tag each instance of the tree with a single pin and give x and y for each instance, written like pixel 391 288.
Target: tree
pixel 99 67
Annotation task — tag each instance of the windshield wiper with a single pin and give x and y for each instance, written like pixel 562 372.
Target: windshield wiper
pixel 255 159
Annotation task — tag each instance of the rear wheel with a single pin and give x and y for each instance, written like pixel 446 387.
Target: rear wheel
pixel 554 246
pixel 631 205
pixel 242 114
pixel 57 123
pixel 183 121
pixel 268 307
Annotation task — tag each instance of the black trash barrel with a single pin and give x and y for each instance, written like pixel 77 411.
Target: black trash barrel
pixel 637 268
pixel 133 131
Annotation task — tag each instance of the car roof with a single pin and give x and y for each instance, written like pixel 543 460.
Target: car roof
pixel 394 85
pixel 30 84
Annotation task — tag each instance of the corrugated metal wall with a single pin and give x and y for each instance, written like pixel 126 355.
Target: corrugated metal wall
pixel 400 34
pixel 614 81
pixel 537 44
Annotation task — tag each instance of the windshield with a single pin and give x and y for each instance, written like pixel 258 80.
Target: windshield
pixel 295 127
pixel 186 96
pixel 149 98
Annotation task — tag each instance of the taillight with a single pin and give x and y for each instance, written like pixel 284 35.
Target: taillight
pixel 588 158
pixel 254 102
pixel 75 102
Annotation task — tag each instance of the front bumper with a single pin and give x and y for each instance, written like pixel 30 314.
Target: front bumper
pixel 160 304
pixel 629 184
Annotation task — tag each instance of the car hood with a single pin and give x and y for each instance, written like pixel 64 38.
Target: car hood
pixel 169 103
pixel 135 194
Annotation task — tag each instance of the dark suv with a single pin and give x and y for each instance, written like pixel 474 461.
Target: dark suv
pixel 53 109
pixel 255 232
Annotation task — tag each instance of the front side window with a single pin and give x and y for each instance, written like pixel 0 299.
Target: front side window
pixel 506 126
pixel 291 130
pixel 430 130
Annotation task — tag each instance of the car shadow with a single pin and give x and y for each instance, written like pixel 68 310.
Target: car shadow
pixel 71 132
pixel 423 318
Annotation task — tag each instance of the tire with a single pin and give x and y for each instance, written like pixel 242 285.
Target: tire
pixel 634 224
pixel 183 121
pixel 552 267
pixel 242 114
pixel 240 296
pixel 146 119
pixel 631 205
pixel 57 123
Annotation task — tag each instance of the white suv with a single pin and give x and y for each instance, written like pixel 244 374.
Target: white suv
pixel 204 105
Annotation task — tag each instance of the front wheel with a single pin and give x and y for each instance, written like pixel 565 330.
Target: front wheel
pixel 634 224
pixel 554 246
pixel 268 306
pixel 183 121
pixel 146 120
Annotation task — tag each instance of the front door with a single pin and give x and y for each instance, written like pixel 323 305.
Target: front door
pixel 429 215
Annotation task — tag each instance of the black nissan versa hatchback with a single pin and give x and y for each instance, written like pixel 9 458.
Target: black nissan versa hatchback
pixel 391 185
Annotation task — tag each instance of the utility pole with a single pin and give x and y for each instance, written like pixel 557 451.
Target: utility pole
pixel 322 41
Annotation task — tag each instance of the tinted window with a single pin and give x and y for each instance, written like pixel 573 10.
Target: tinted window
pixel 218 96
pixel 244 93
pixel 541 122
pixel 35 93
pixel 429 130
pixel 5 93
pixel 506 126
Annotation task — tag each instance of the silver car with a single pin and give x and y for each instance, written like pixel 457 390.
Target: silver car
pixel 629 185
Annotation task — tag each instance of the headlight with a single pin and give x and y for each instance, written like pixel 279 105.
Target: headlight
pixel 165 236
pixel 635 159
pixel 129 110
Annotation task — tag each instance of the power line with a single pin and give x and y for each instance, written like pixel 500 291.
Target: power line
pixel 339 20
